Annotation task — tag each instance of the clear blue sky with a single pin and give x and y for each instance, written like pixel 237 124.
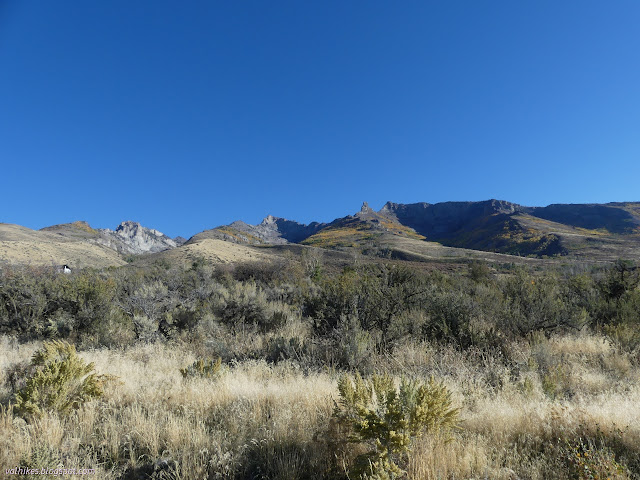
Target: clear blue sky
pixel 188 115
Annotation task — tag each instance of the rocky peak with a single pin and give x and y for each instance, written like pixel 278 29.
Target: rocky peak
pixel 502 206
pixel 365 208
pixel 139 239
pixel 128 228
pixel 271 230
pixel 269 220
pixel 180 240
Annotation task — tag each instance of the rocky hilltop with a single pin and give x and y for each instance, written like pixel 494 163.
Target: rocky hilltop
pixel 492 225
pixel 128 237
pixel 447 217
pixel 587 232
pixel 272 230
pixel 138 239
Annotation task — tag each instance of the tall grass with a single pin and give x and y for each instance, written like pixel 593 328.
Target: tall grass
pixel 519 416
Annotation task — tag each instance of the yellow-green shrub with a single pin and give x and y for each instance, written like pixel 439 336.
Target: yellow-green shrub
pixel 59 381
pixel 385 419
pixel 202 368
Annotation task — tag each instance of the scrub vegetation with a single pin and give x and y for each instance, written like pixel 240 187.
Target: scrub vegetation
pixel 295 370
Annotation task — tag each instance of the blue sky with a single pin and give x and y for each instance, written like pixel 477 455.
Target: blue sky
pixel 188 115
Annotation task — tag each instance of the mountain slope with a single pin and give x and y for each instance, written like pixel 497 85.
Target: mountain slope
pixel 21 245
pixel 581 231
pixel 128 238
pixel 616 218
pixel 362 229
pixel 213 250
pixel 488 226
pixel 272 230
pixel 589 231
pixel 78 245
pixel 418 231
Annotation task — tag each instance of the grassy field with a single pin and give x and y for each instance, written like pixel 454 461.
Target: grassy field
pixel 519 419
pixel 541 368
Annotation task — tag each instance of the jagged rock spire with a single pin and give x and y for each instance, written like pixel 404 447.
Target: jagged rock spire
pixel 365 208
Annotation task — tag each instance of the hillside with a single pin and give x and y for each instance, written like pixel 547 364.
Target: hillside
pixel 493 229
pixel 214 250
pixel 585 232
pixel 365 228
pixel 488 226
pixel 272 230
pixel 613 218
pixel 21 245
pixel 598 232
pixel 128 237
pixel 79 245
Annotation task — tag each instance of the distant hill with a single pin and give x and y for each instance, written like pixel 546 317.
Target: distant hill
pixel 128 237
pixel 366 227
pixel 79 245
pixel 621 218
pixel 491 225
pixel 495 230
pixel 272 230
pixel 20 245
pixel 598 231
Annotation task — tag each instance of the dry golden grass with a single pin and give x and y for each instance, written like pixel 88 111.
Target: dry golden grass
pixel 153 412
pixel 256 418
pixel 20 245
pixel 347 236
pixel 214 251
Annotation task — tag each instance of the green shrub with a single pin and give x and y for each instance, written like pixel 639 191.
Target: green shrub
pixel 353 347
pixel 449 313
pixel 479 272
pixel 554 381
pixel 59 381
pixel 202 368
pixel 533 303
pixel 375 414
pixel 281 348
pixel 245 306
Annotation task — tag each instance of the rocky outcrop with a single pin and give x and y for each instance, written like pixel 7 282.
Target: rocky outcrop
pixel 288 230
pixel 179 240
pixel 448 218
pixel 366 208
pixel 272 230
pixel 128 238
pixel 131 237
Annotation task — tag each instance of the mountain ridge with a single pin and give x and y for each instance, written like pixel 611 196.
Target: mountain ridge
pixel 129 237
pixel 580 231
pixel 491 225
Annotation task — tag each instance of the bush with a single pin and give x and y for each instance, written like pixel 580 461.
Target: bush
pixel 59 381
pixel 246 306
pixel 449 316
pixel 588 462
pixel 353 347
pixel 386 420
pixel 281 348
pixel 202 368
pixel 535 303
